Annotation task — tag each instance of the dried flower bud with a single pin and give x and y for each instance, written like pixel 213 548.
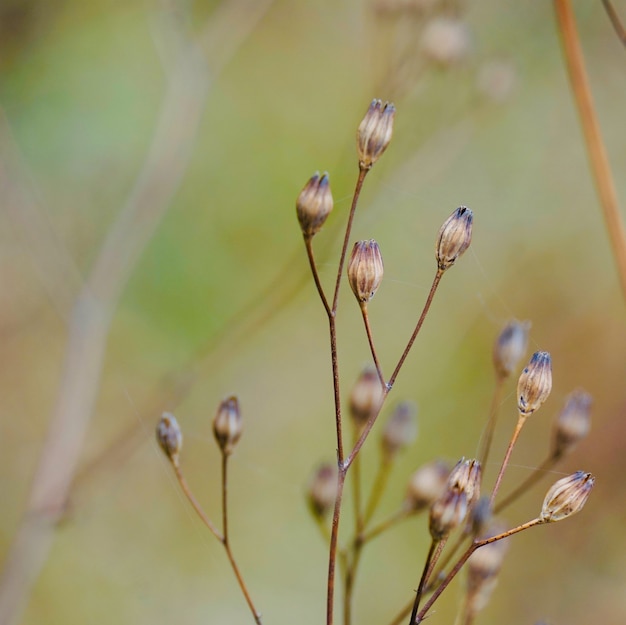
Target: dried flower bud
pixel 445 41
pixel 322 490
pixel 510 347
pixel 447 513
pixel 400 430
pixel 427 484
pixel 454 237
pixel 374 133
pixel 366 397
pixel 567 496
pixel 482 515
pixel 466 476
pixel 572 424
pixel 535 383
pixel 227 425
pixel 314 204
pixel 169 436
pixel 365 270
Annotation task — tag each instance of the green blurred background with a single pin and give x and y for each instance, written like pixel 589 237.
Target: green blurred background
pixel 221 302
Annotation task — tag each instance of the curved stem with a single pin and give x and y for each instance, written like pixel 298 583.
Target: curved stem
pixel 308 243
pixel 370 339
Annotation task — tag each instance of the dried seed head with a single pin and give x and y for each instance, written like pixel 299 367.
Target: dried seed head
pixel 322 490
pixel 482 516
pixel 400 430
pixel 374 133
pixel 510 347
pixel 454 237
pixel 169 436
pixel 466 476
pixel 445 41
pixel 447 513
pixel 366 397
pixel 314 204
pixel 427 484
pixel 365 270
pixel 572 423
pixel 567 496
pixel 227 425
pixel 534 384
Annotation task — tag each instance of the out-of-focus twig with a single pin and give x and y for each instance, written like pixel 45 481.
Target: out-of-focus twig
pixel 151 195
pixel 614 17
pixel 595 147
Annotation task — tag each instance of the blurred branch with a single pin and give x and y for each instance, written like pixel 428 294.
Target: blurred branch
pixel 614 17
pixel 154 189
pixel 596 151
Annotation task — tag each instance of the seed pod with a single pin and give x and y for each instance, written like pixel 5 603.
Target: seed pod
pixel 534 384
pixel 466 476
pixel 567 496
pixel 572 423
pixel 314 204
pixel 366 397
pixel 169 436
pixel 426 485
pixel 374 133
pixel 447 513
pixel 510 347
pixel 365 270
pixel 400 430
pixel 322 490
pixel 227 425
pixel 454 237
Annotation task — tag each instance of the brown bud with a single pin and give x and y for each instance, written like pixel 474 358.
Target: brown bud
pixel 510 347
pixel 534 384
pixel 567 496
pixel 374 133
pixel 322 490
pixel 466 476
pixel 314 204
pixel 572 423
pixel 365 270
pixel 454 237
pixel 169 436
pixel 427 484
pixel 447 513
pixel 400 430
pixel 366 397
pixel 227 425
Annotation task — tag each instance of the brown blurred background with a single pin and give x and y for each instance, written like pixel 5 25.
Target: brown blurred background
pixel 250 99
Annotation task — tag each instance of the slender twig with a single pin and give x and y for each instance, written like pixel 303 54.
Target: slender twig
pixel 378 489
pixel 487 438
pixel 349 581
pixel 370 339
pixel 518 428
pixel 395 518
pixel 615 21
pixel 333 547
pixel 596 151
pixel 433 554
pixel 425 310
pixel 308 240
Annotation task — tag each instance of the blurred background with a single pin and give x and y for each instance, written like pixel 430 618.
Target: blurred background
pixel 151 154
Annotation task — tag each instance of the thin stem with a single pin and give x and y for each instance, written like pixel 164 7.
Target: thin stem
pixel 425 310
pixel 370 339
pixel 356 480
pixel 433 554
pixel 341 478
pixel 485 445
pixel 595 147
pixel 308 243
pixel 530 481
pixel 378 489
pixel 336 388
pixel 346 239
pixel 518 428
pixel 194 502
pixel 615 21
pixel 226 543
pixel 395 518
pixel 349 581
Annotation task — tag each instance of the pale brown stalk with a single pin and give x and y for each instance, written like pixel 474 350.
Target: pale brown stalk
pixel 518 428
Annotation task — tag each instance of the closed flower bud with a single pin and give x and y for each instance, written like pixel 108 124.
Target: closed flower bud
pixel 374 133
pixel 227 425
pixel 426 485
pixel 365 270
pixel 447 513
pixel 572 424
pixel 567 496
pixel 366 397
pixel 534 384
pixel 314 204
pixel 169 436
pixel 454 237
pixel 322 490
pixel 400 430
pixel 510 347
pixel 466 476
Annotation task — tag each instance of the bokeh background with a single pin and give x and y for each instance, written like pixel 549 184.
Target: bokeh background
pixel 252 98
